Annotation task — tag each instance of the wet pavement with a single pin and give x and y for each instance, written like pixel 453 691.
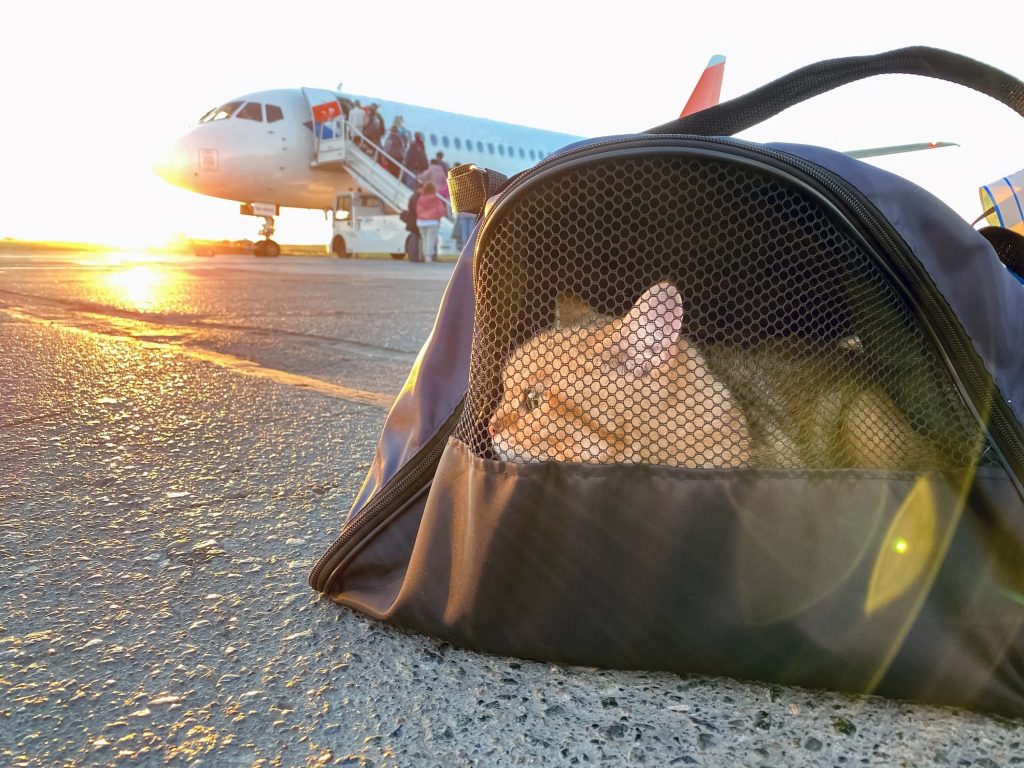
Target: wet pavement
pixel 180 438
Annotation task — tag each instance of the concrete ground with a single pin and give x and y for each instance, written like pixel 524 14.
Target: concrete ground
pixel 180 438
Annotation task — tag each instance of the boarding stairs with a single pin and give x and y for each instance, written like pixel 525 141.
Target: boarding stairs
pixel 339 146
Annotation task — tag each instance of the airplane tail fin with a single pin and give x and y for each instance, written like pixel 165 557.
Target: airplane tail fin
pixel 708 89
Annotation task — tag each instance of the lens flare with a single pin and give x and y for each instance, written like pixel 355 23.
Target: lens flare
pixel 898 568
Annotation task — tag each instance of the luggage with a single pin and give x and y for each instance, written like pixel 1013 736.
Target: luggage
pixel 412 247
pixel 697 404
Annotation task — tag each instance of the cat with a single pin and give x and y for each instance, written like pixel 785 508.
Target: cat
pixel 574 392
pixel 597 389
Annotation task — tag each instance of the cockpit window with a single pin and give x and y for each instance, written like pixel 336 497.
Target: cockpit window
pixel 274 113
pixel 251 111
pixel 219 113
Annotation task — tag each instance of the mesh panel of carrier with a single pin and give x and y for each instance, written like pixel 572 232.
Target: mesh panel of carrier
pixel 702 314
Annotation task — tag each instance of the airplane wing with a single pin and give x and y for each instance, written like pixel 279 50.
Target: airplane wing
pixel 898 148
pixel 1003 202
pixel 708 89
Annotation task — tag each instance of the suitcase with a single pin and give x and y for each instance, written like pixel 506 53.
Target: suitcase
pixel 412 247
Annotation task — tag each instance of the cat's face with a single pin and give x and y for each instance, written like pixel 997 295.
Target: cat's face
pixel 547 408
pixel 605 390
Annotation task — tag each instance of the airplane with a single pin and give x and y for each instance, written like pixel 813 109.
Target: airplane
pixel 269 150
pixel 294 148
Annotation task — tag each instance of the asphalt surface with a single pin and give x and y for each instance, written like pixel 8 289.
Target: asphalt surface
pixel 180 438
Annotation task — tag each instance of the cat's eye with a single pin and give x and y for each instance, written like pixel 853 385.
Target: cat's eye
pixel 532 401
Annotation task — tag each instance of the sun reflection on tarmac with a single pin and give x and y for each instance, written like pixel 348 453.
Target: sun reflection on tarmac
pixel 146 287
pixel 139 286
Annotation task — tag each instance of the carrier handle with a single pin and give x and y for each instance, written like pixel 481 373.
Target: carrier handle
pixel 745 111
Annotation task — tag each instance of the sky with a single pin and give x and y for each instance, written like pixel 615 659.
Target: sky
pixel 94 92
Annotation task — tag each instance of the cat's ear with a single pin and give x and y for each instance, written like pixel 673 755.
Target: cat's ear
pixel 570 309
pixel 650 330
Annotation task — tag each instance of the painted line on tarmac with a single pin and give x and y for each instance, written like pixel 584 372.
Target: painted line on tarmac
pixel 224 360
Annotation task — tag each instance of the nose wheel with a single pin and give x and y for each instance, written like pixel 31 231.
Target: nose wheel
pixel 266 247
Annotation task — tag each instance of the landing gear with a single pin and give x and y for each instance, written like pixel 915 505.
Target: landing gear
pixel 338 247
pixel 266 247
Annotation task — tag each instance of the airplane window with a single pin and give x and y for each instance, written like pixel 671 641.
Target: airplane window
pixel 251 111
pixel 219 113
pixel 490 148
pixel 479 146
pixel 433 138
pixel 458 143
pixel 444 140
pixel 274 113
pixel 522 152
pixel 501 150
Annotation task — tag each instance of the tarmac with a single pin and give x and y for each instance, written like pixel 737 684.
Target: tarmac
pixel 180 438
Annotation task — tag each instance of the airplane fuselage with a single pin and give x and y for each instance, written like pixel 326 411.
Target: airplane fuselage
pixel 259 147
pixel 255 160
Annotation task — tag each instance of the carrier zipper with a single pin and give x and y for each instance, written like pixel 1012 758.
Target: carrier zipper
pixel 962 362
pixel 403 487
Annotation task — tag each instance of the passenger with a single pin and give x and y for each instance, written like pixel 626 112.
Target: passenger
pixel 374 129
pixel 404 133
pixel 437 175
pixel 357 119
pixel 408 216
pixel 430 208
pixel 415 159
pixel 464 223
pixel 439 157
pixel 393 148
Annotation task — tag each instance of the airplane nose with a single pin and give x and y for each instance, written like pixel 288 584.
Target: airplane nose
pixel 173 165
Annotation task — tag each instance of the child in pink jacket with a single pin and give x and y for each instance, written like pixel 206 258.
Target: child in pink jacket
pixel 430 209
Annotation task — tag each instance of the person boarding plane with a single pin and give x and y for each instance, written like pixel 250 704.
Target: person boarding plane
pixel 296 148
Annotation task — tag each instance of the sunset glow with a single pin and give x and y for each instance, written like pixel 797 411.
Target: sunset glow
pixel 87 115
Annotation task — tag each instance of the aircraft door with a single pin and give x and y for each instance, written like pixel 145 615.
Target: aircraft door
pixel 328 125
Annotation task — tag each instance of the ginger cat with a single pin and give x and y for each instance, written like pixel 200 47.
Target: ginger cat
pixel 599 390
pixel 627 390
